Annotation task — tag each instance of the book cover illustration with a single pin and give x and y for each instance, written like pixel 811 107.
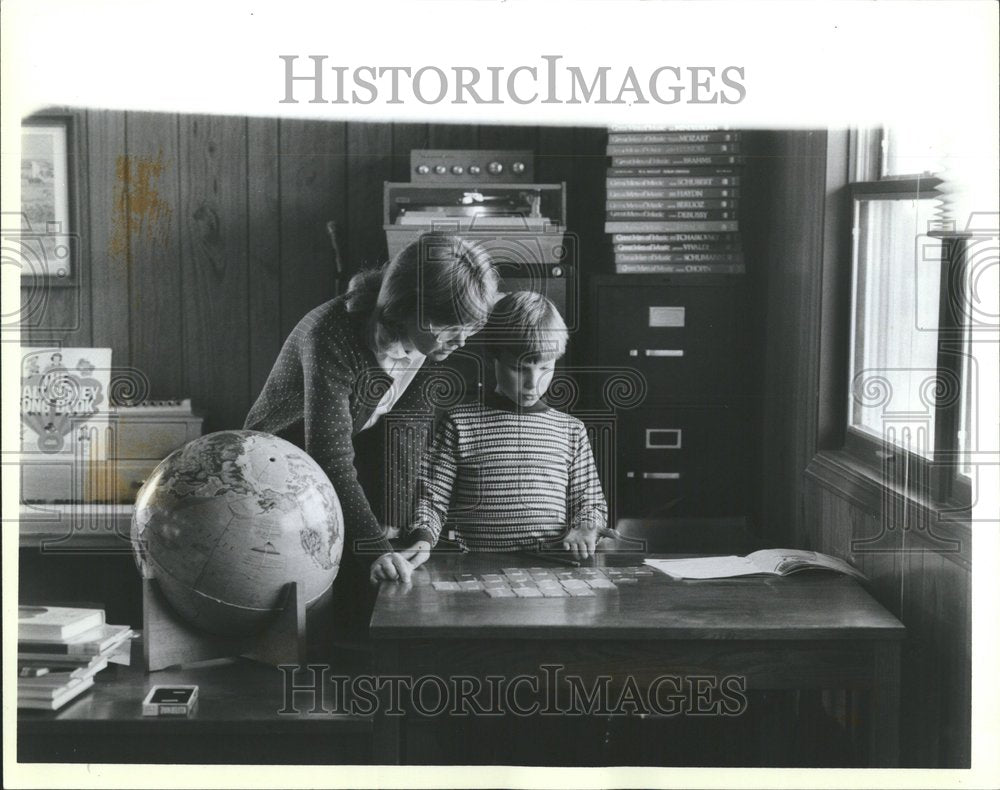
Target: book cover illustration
pixel 64 400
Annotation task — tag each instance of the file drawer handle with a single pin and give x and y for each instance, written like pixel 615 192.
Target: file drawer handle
pixel 656 475
pixel 657 352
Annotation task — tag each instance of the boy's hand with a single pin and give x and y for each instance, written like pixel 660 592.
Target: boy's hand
pixel 581 542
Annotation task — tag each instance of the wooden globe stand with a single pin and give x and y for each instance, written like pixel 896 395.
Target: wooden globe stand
pixel 168 639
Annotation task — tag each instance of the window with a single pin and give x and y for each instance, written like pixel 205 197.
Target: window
pixel 896 293
pixel 911 385
pixel 905 153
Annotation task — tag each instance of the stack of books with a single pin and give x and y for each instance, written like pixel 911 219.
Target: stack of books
pixel 60 650
pixel 672 201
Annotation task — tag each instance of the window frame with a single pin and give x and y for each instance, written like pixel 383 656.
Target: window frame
pixel 938 479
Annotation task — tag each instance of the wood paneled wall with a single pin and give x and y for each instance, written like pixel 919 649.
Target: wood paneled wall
pixel 205 240
pixel 785 207
pixel 923 578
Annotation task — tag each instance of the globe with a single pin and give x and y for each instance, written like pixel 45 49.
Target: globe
pixel 227 521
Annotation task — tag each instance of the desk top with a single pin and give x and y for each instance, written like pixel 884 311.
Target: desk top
pixel 234 696
pixel 809 605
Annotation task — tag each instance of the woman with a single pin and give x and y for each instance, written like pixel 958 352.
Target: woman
pixel 348 361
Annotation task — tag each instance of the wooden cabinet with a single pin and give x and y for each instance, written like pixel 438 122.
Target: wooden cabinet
pixel 136 440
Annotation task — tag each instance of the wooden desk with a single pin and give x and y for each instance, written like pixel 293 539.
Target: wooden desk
pixel 811 631
pixel 237 721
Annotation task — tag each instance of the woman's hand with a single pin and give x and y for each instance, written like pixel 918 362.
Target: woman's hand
pixel 399 566
pixel 418 553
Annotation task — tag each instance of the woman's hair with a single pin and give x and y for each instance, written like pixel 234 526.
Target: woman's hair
pixel 527 326
pixel 362 290
pixel 438 279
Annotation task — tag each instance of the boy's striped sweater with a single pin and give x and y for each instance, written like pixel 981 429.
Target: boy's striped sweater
pixel 502 477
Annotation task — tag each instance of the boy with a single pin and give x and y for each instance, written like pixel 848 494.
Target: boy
pixel 502 475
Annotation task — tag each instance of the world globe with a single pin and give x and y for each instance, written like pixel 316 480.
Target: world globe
pixel 227 521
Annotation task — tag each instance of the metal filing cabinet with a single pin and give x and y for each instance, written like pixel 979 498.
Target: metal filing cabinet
pixel 683 453
pixel 681 462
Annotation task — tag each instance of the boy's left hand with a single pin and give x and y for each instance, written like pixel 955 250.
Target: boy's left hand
pixel 581 542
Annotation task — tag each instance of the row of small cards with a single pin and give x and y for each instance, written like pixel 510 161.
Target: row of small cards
pixel 540 582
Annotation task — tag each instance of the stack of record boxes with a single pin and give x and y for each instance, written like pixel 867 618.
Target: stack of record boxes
pixel 672 201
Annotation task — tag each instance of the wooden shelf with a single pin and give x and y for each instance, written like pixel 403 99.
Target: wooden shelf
pixel 75 527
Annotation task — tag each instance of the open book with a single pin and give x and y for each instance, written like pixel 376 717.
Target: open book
pixel 773 562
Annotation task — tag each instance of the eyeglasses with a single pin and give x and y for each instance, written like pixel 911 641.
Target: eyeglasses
pixel 445 333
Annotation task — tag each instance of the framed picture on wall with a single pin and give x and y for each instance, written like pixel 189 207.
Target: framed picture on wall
pixel 46 236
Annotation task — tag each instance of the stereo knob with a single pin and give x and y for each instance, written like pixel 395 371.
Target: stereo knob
pixel 423 169
pixel 557 271
pixel 475 170
pixel 495 168
pixel 457 169
pixel 517 168
pixel 440 169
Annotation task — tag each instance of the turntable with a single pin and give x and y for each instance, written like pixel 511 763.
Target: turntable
pixel 489 198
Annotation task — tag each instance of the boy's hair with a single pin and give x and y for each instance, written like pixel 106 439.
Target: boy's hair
pixel 526 326
pixel 441 280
